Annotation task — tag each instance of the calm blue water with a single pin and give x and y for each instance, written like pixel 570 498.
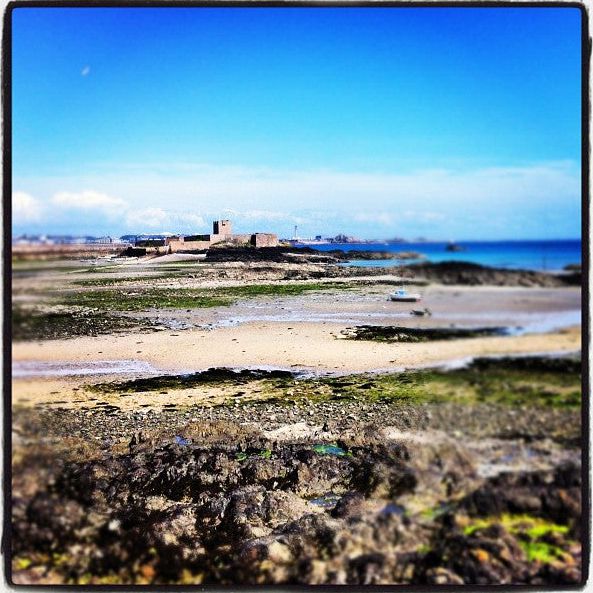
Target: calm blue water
pixel 529 255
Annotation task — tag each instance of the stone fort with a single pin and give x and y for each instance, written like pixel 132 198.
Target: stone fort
pixel 221 233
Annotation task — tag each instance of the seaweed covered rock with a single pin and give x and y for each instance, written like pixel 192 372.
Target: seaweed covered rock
pixel 553 494
pixel 500 550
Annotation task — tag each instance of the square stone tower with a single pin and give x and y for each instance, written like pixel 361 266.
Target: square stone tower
pixel 221 227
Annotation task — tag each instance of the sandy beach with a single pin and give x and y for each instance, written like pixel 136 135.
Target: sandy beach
pixel 306 333
pixel 318 347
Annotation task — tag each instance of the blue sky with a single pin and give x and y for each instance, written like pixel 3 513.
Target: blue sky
pixel 443 122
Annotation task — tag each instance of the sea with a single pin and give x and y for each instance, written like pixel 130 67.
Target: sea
pixel 544 255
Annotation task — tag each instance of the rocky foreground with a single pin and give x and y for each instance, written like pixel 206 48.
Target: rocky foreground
pixel 329 487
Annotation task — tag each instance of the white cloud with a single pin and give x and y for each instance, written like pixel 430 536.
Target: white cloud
pixel 263 215
pixel 150 218
pixel 257 192
pixel 190 219
pixel 25 208
pixel 85 71
pixel 157 218
pixel 426 201
pixel 89 200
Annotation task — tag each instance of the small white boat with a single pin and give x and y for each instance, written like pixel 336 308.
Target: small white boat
pixel 403 296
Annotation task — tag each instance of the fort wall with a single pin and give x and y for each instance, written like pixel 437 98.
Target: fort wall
pixel 221 234
pixel 180 244
pixel 264 240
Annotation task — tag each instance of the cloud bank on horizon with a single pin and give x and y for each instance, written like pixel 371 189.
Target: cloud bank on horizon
pixel 507 202
pixel 444 123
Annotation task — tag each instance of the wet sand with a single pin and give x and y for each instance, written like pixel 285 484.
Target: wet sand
pixel 534 309
pixel 298 345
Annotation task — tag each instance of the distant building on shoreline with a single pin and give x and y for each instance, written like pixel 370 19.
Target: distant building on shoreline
pixel 320 240
pixel 63 240
pixel 221 233
pixel 29 247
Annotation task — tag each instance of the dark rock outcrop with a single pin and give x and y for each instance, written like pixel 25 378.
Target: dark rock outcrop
pixel 214 514
pixel 457 272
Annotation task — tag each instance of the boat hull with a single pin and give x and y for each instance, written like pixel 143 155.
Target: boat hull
pixel 406 299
